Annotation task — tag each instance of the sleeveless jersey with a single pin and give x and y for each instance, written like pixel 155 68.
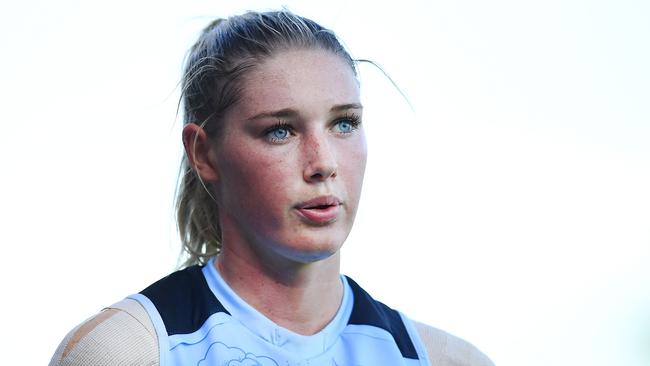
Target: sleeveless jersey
pixel 200 321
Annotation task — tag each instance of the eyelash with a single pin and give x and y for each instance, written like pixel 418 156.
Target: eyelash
pixel 353 119
pixel 277 126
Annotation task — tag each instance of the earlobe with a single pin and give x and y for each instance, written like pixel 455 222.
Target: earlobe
pixel 198 148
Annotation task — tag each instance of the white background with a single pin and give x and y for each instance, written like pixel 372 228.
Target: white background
pixel 510 207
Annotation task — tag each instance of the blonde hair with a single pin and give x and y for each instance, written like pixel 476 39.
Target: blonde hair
pixel 224 53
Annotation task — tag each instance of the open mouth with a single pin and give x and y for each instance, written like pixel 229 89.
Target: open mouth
pixel 320 210
pixel 319 207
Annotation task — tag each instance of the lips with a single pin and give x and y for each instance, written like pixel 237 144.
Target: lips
pixel 320 210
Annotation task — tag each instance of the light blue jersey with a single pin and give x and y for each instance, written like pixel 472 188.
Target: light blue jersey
pixel 200 321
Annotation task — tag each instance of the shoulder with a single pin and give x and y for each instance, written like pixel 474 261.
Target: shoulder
pixel 445 349
pixel 442 348
pixel 119 334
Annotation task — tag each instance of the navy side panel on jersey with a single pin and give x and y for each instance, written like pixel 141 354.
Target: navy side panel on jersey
pixel 368 311
pixel 183 300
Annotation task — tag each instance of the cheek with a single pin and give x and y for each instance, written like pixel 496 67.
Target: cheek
pixel 355 158
pixel 250 181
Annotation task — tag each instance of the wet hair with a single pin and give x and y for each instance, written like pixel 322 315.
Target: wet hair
pixel 226 51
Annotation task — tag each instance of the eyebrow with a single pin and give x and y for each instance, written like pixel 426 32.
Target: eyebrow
pixel 343 107
pixel 292 113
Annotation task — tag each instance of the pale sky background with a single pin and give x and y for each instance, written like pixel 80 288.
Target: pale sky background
pixel 511 207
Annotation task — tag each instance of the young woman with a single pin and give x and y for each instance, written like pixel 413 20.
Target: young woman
pixel 275 158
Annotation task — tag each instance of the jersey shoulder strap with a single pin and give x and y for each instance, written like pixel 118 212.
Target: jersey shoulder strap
pixel 368 311
pixel 184 300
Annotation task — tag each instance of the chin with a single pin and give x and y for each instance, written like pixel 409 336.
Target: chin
pixel 311 251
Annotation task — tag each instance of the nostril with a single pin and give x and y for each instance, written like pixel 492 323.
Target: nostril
pixel 318 176
pixel 320 170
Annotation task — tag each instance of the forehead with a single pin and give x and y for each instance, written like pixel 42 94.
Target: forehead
pixel 309 80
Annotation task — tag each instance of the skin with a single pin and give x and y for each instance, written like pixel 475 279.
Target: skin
pixel 280 261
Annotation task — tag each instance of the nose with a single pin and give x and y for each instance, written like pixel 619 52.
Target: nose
pixel 320 162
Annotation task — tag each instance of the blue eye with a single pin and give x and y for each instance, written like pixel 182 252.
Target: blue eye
pixel 347 125
pixel 278 133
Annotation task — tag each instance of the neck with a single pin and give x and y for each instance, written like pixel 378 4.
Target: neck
pixel 302 297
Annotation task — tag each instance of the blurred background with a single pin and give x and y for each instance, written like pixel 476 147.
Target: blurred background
pixel 509 206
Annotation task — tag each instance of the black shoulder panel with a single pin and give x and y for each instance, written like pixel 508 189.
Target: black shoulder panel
pixel 184 300
pixel 368 311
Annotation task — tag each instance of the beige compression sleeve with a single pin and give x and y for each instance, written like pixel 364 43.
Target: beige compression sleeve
pixel 121 334
pixel 445 349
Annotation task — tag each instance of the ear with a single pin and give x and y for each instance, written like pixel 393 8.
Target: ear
pixel 199 150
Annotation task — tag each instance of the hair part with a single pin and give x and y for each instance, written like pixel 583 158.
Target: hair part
pixel 215 70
